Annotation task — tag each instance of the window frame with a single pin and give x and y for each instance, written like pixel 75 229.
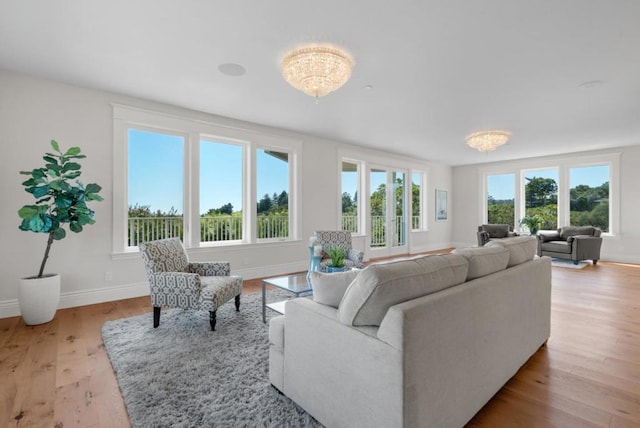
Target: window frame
pixel 195 130
pixel 246 147
pixel 253 224
pixel 563 164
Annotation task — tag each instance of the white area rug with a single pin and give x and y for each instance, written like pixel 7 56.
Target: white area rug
pixel 182 374
pixel 569 264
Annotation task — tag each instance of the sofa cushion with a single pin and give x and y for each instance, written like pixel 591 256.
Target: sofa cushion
pixel 557 246
pixel 382 285
pixel 496 230
pixel 567 231
pixel 549 236
pixel 484 260
pixel 328 288
pixel 521 248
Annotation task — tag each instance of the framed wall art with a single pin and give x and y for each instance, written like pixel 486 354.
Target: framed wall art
pixel 441 205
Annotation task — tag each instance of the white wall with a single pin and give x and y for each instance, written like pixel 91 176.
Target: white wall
pixel 34 111
pixel 623 247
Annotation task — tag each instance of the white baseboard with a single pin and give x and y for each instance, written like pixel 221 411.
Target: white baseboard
pixel 416 249
pixel 274 270
pixel 620 258
pixel 11 308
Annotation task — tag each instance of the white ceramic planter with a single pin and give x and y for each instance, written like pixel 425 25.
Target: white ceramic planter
pixel 39 298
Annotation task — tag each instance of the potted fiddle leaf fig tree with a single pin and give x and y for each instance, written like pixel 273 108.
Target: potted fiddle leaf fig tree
pixel 61 199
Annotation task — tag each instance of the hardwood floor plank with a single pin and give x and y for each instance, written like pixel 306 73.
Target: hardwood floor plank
pixel 74 405
pixel 35 377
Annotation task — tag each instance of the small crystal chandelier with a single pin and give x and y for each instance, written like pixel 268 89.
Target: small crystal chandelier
pixel 487 141
pixel 317 69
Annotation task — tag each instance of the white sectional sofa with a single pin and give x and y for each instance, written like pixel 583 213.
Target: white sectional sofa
pixel 420 342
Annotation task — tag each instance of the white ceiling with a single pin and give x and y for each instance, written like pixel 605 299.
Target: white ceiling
pixel 440 69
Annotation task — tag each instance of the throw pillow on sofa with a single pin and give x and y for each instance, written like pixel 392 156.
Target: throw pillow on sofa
pixel 328 288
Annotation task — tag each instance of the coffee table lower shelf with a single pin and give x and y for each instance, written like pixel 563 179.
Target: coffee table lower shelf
pixel 297 284
pixel 277 306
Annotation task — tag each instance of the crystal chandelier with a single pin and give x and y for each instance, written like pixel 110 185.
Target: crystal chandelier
pixel 317 69
pixel 487 141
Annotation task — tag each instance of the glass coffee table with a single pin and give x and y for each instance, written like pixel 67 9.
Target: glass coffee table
pixel 295 284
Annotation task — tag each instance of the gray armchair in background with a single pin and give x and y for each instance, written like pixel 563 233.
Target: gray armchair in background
pixel 488 232
pixel 175 282
pixel 573 243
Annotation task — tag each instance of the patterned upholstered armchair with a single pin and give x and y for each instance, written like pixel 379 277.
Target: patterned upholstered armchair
pixel 177 283
pixel 342 239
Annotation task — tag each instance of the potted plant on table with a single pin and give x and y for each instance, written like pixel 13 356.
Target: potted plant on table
pixel 337 259
pixel 60 199
pixel 532 222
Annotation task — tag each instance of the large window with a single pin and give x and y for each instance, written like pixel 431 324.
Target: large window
pixel 204 183
pixel 221 191
pixel 501 196
pixel 575 191
pixel 589 196
pixel 272 183
pixel 350 182
pixel 155 184
pixel 541 196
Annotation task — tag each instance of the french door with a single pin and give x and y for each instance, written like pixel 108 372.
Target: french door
pixel 387 222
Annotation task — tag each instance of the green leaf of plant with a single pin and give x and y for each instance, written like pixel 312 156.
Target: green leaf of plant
pixel 39 224
pixel 72 175
pixel 70 166
pixel 40 191
pixel 53 167
pixel 76 227
pixel 28 211
pixel 39 173
pixel 92 188
pixel 32 182
pixel 55 146
pixel 73 151
pixel 50 159
pixel 63 201
pixel 94 197
pixel 59 234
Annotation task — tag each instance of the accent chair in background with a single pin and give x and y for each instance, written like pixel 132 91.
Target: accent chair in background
pixel 489 232
pixel 175 282
pixel 573 243
pixel 340 238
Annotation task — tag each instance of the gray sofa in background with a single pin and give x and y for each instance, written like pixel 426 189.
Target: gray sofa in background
pixel 488 232
pixel 573 243
pixel 419 342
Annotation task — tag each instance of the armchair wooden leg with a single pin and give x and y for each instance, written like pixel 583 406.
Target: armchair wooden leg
pixel 156 316
pixel 595 262
pixel 212 320
pixel 575 262
pixel 238 303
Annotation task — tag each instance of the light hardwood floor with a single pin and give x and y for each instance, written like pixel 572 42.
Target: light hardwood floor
pixel 58 374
